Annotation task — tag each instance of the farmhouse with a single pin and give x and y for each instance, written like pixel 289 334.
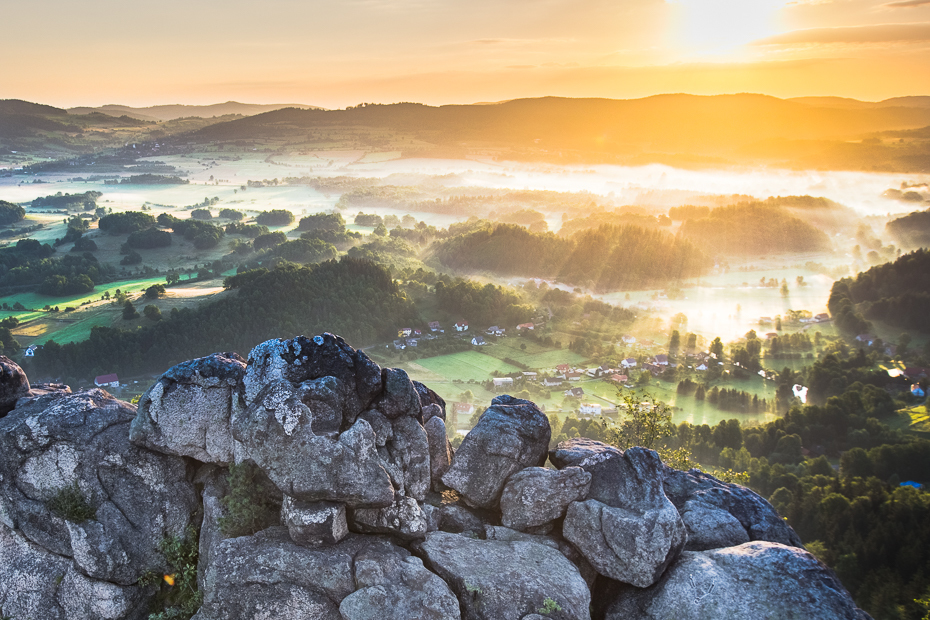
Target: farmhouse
pixel 461 326
pixel 661 360
pixel 503 382
pixel 110 380
pixel 523 326
pixel 404 332
pixel 574 392
pixel 551 382
pixel 478 341
pixel 434 326
pixel 589 409
pixel 619 378
pixel 629 362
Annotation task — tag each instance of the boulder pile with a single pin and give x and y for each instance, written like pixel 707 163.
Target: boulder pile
pixel 356 507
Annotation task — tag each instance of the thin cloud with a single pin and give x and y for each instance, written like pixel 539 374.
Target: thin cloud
pixel 878 33
pixel 907 3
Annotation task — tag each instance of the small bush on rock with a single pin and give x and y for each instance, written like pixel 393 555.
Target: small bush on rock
pixel 177 597
pixel 250 504
pixel 70 504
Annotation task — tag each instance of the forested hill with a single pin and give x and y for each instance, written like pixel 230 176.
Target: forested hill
pixel 754 229
pixel 896 293
pixel 605 258
pixel 352 297
pixel 911 230
pixel 683 129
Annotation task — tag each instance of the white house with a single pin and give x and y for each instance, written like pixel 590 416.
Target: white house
pixel 477 340
pixel 110 380
pixel 628 340
pixel 461 326
pixel 30 351
pixel 629 362
pixel 589 409
pixel 500 382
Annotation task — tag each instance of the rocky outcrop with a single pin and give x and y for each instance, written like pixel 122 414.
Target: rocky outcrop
pixel 188 410
pixel 747 582
pixel 379 518
pixel 13 384
pixel 627 528
pixel 511 435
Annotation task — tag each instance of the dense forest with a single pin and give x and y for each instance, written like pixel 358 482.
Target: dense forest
pixel 32 265
pixel 81 202
pixel 754 229
pixel 896 293
pixel 356 299
pixel 605 258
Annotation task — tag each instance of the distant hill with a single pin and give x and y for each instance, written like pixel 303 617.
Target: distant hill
pixel 682 130
pixel 172 112
pixel 855 104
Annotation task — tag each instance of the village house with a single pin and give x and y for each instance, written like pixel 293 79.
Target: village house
pixel 478 341
pixel 629 362
pixel 823 316
pixel 523 326
pixel 573 375
pixel 529 375
pixel 400 345
pixel 574 392
pixel 655 369
pixel 461 326
pixel 411 342
pixel 702 367
pixel 463 410
pixel 551 382
pixel 110 380
pixel 30 350
pixel 502 382
pixel 589 409
pixel 434 326
pixel 562 368
pixel 404 332
pixel 660 360
pixel 495 331
pixel 917 391
pixel 619 378
pixel 628 340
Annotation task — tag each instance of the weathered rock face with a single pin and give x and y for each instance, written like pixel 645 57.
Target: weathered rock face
pixel 536 496
pixel 628 530
pixel 511 435
pixel 275 431
pixel 13 384
pixel 79 444
pixel 498 580
pixel 356 450
pixel 748 582
pixel 754 513
pixel 188 410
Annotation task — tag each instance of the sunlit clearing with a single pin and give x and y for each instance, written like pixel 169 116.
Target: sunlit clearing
pixel 719 26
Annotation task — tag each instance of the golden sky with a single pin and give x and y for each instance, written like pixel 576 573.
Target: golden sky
pixel 335 54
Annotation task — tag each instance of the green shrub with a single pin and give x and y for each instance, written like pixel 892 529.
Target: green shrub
pixel 250 504
pixel 177 597
pixel 70 504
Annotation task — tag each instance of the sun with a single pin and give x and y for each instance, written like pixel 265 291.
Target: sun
pixel 715 27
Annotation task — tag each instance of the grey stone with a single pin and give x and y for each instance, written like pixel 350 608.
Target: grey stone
pixel 301 359
pixel 393 585
pixel 403 446
pixel 29 577
pixel 432 411
pixel 460 519
pixel 85 599
pixel 187 412
pixel 314 523
pixel 403 519
pixel 275 431
pixel 215 487
pixel 537 496
pixel 710 527
pixel 511 435
pixel 429 397
pixel 433 516
pixel 496 580
pixel 440 450
pixel 399 398
pixel 628 530
pixel 753 581
pixel 13 384
pixel 266 576
pixel 760 520
pixel 81 441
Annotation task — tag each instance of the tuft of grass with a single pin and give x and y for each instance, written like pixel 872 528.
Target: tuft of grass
pixel 549 606
pixel 70 504
pixel 250 504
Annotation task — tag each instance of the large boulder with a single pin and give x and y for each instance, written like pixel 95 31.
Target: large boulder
pixel 404 519
pixel 440 449
pixel 187 411
pixel 757 517
pixel 276 432
pixel 314 523
pixel 429 397
pixel 72 483
pixel 628 529
pixel 393 585
pixel 13 384
pixel 711 528
pixel 301 359
pixel 507 580
pixel 753 581
pixel 511 435
pixel 267 576
pixel 403 447
pixel 536 496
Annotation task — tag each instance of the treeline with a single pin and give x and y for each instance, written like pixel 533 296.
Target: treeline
pixel 83 202
pixel 353 298
pixel 621 217
pixel 482 304
pixel 911 230
pixel 203 235
pixel 30 264
pixel 606 258
pixel 897 293
pixel 725 399
pixel 151 179
pixel 755 229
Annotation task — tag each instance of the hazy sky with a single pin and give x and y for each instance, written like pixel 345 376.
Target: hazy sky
pixel 344 52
